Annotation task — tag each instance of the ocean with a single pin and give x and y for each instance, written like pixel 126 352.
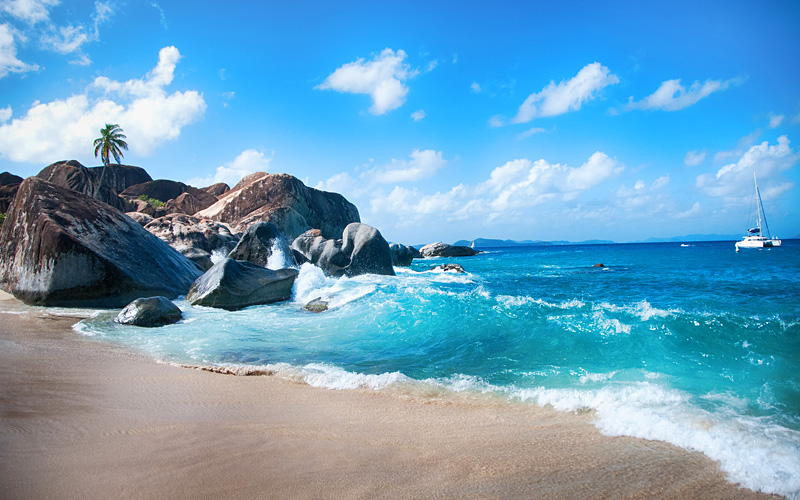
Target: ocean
pixel 696 345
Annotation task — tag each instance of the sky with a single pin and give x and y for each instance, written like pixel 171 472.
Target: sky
pixel 439 120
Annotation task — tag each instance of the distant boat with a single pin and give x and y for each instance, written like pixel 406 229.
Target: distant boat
pixel 685 245
pixel 758 237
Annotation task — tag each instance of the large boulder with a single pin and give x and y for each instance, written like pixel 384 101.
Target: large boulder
pixel 149 312
pixel 72 175
pixel 362 250
pixel 217 189
pixel 62 248
pixel 195 238
pixel 234 284
pixel 9 183
pixel 445 250
pixel 285 201
pixel 402 255
pixel 260 242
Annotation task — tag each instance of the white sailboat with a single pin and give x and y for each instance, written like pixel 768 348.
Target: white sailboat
pixel 758 237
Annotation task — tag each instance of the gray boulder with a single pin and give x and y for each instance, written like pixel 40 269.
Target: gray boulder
pixel 448 268
pixel 233 284
pixel 59 247
pixel 72 175
pixel 316 306
pixel 259 242
pixel 444 250
pixel 149 312
pixel 141 218
pixel 402 255
pixel 362 250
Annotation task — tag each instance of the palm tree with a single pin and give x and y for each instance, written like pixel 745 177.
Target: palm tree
pixel 110 143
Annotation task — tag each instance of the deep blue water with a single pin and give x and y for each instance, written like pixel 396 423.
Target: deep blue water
pixel 698 345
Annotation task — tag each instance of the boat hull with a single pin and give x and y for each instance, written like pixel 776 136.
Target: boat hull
pixel 757 242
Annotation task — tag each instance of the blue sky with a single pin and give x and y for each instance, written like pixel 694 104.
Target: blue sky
pixel 439 120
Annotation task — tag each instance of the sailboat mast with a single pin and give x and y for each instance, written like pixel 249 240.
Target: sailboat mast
pixel 761 215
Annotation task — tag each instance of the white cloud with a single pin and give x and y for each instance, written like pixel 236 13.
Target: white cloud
pixel 5 114
pixel 692 212
pixel 66 39
pixel 775 120
pixel 694 158
pixel 496 121
pixel 734 181
pixel 381 78
pixel 556 99
pixel 530 132
pixel 418 115
pixel 475 87
pixel 8 54
pixel 247 162
pixel 423 164
pixel 672 96
pixel 30 11
pixel 65 128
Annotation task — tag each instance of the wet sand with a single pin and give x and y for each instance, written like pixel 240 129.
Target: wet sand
pixel 84 419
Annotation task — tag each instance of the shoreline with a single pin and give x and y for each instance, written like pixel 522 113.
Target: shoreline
pixel 85 419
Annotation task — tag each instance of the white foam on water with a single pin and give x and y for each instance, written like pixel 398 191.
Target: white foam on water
pixel 752 451
pixel 312 284
pixel 218 254
pixel 277 258
pixel 643 309
pixel 515 301
pixel 332 377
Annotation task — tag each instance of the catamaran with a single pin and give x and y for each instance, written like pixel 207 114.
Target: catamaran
pixel 758 237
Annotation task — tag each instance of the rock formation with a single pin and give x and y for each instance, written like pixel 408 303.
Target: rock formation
pixel 258 244
pixel 233 284
pixel 362 250
pixel 402 255
pixel 444 250
pixel 177 196
pixel 286 202
pixel 63 248
pixel 141 218
pixel 72 175
pixel 217 189
pixel 448 268
pixel 149 312
pixel 9 183
pixel 195 238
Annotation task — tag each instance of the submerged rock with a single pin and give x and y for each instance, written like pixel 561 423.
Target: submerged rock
pixel 233 284
pixel 448 268
pixel 362 250
pixel 62 248
pixel 149 312
pixel 258 243
pixel 317 305
pixel 445 250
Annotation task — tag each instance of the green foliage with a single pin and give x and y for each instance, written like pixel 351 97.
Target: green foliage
pixel 152 201
pixel 110 143
pixel 2 218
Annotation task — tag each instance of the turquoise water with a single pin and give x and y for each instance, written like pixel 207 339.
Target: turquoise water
pixel 698 346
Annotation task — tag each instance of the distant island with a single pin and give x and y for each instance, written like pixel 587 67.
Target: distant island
pixel 497 243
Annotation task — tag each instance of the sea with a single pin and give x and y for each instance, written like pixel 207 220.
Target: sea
pixel 693 344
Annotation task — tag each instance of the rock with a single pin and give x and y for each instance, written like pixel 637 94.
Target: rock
pixel 317 305
pixel 120 177
pixel 444 250
pixel 258 244
pixel 72 175
pixel 232 284
pixel 141 218
pixel 599 265
pixel 196 238
pixel 217 189
pixel 149 312
pixel 59 247
pixel 285 201
pixel 9 183
pixel 402 255
pixel 189 204
pixel 177 196
pixel 448 268
pixel 362 250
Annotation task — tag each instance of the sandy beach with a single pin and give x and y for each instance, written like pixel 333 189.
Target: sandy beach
pixel 83 419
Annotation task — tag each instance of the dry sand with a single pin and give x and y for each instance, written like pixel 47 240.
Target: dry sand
pixel 83 419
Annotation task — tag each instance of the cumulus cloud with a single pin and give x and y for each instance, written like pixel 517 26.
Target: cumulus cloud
pixel 30 11
pixel 734 181
pixel 531 132
pixel 418 115
pixel 8 53
pixel 247 162
pixel 672 96
pixel 382 79
pixel 775 120
pixel 423 164
pixel 65 128
pixel 694 158
pixel 556 99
